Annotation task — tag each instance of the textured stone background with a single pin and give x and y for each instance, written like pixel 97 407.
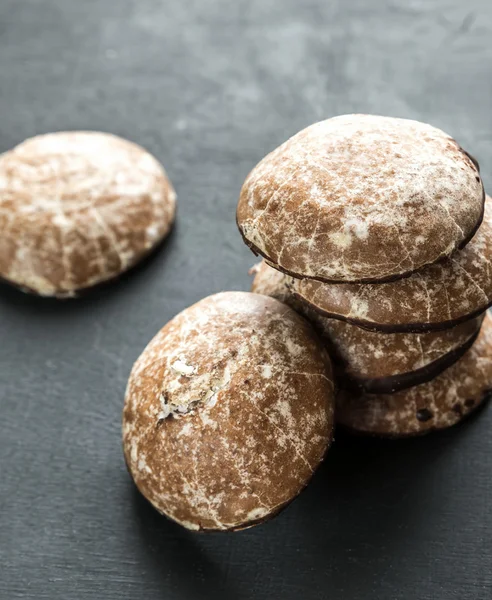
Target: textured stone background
pixel 209 87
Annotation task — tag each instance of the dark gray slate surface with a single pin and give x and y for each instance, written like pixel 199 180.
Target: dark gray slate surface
pixel 210 87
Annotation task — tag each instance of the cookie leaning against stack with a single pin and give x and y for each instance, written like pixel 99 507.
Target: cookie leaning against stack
pixel 369 219
pixel 228 412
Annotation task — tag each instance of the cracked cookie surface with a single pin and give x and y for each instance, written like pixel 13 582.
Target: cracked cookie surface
pixel 228 412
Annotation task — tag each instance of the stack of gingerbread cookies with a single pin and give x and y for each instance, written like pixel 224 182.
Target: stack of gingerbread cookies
pixel 378 231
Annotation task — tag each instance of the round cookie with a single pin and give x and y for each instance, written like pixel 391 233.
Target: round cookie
pixel 78 209
pixel 437 297
pixel 361 198
pixel 440 403
pixel 228 412
pixel 375 362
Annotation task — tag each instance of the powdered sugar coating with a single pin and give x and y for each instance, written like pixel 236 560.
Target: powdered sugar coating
pixel 441 403
pixel 361 198
pixel 77 209
pixel 436 297
pixel 228 412
pixel 363 356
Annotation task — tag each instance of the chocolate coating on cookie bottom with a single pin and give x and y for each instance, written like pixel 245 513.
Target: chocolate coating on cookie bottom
pixel 403 381
pixel 438 404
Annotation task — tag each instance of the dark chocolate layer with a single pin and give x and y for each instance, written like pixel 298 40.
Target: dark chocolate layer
pixel 396 383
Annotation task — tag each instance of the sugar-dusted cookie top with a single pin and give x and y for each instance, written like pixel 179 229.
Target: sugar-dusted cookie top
pixel 228 412
pixel 77 209
pixel 361 198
